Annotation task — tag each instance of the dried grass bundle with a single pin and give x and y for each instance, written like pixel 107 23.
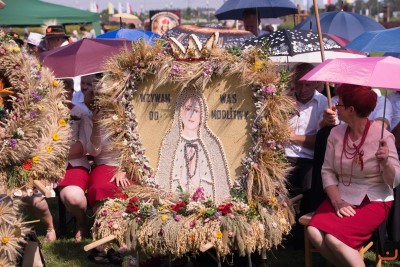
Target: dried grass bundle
pixel 35 131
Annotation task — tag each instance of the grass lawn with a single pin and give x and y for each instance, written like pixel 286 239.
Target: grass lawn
pixel 66 253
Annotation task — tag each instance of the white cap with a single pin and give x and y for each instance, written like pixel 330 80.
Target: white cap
pixel 34 38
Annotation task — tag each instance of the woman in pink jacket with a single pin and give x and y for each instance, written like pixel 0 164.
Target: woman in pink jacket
pixel 359 173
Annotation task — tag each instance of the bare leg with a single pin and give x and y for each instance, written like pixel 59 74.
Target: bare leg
pixel 75 201
pixel 317 238
pixel 348 256
pixel 39 207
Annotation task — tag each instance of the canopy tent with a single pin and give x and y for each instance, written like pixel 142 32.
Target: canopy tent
pixel 36 12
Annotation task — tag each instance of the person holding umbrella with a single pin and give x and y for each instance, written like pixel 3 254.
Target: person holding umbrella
pixel 251 22
pixel 359 173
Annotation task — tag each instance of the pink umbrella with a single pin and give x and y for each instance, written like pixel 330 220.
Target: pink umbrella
pixel 86 56
pixel 380 72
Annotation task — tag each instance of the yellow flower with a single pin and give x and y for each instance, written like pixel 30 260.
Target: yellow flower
pixel 258 63
pixel 62 123
pixel 5 240
pixel 218 234
pixel 49 148
pixel 35 159
pixel 202 211
pixel 15 49
pixel 55 136
pixel 116 207
pixel 40 107
pixel 164 217
pixel 55 83
pixel 274 201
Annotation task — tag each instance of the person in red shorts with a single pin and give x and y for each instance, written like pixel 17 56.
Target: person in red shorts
pixel 75 182
pixel 360 170
pixel 105 179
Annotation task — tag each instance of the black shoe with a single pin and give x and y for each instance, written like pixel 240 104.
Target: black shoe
pixel 98 257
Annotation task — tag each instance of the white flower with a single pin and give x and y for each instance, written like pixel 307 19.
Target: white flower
pixel 194 206
pixel 125 142
pixel 20 132
pixel 115 118
pixel 274 224
pixel 60 105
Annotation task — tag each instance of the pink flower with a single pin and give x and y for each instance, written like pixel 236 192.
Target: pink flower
pixel 270 89
pixel 198 194
pixel 192 224
pixel 178 217
pixel 104 213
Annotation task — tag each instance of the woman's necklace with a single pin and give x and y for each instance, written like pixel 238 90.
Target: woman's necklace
pixel 353 152
pixel 189 158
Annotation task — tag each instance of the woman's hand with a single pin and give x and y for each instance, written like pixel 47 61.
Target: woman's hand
pixel 120 179
pixel 383 152
pixel 329 117
pixel 344 209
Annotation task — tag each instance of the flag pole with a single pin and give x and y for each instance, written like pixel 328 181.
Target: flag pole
pixel 321 45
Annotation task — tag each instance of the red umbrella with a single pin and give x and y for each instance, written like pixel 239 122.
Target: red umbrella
pixel 86 56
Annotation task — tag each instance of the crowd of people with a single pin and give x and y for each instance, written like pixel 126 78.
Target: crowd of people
pixel 357 169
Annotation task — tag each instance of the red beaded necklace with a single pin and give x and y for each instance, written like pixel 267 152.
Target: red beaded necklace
pixel 353 152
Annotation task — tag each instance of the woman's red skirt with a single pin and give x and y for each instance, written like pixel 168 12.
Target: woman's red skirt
pixel 100 186
pixel 78 176
pixel 353 231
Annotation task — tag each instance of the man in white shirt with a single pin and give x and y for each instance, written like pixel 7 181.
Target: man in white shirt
pixel 300 152
pixel 305 125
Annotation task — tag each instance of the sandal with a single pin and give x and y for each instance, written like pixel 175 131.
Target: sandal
pixel 98 257
pixel 50 235
pixel 114 256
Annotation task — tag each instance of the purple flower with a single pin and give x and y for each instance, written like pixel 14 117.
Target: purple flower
pixel 207 69
pixel 13 143
pixel 36 95
pixel 37 75
pixel 270 89
pixel 32 114
pixel 176 69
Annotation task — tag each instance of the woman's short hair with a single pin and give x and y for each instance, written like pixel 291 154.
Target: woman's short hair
pixel 362 98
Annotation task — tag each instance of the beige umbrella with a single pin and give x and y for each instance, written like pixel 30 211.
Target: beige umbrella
pixel 125 18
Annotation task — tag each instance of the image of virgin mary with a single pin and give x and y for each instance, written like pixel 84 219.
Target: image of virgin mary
pixel 191 156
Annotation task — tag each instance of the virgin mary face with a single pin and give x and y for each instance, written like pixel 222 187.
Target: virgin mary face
pixel 191 114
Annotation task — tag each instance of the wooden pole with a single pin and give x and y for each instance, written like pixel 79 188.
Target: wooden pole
pixel 321 45
pixel 38 184
pixel 98 242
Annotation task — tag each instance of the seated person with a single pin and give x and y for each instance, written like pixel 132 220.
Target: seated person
pixel 359 173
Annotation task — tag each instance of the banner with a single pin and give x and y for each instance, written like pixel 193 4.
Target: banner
pixel 110 8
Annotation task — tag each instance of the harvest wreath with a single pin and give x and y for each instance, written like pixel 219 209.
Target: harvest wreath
pixel 256 214
pixel 34 131
pixel 34 137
